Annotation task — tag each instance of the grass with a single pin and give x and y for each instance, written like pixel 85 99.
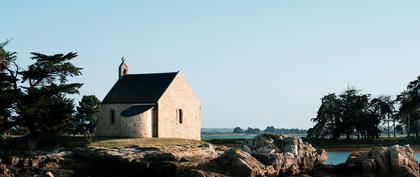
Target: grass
pixel 144 142
pixel 47 143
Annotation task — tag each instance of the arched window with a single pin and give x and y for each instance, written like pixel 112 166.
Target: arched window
pixel 112 116
pixel 180 116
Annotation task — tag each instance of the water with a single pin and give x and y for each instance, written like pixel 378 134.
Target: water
pixel 237 136
pixel 335 158
pixel 227 136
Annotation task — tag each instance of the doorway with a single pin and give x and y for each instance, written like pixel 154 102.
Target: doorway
pixel 155 122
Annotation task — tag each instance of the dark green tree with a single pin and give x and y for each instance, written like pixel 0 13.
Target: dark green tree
pixel 35 98
pixel 409 104
pixel 328 118
pixel 238 130
pixel 47 85
pixel 9 91
pixel 87 114
pixel 348 114
pixel 383 107
pixel 355 115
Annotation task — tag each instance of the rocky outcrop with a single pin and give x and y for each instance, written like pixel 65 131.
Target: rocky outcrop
pixel 271 155
pixel 265 155
pixel 43 164
pixel 395 161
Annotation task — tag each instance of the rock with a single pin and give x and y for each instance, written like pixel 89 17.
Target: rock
pixel 5 171
pixel 51 165
pixel 396 161
pixel 246 149
pixel 159 156
pixel 14 160
pixel 221 148
pixel 55 157
pixel 26 162
pixel 285 154
pixel 403 161
pixel 240 163
pixel 322 155
pixel 380 155
pixel 208 148
pixel 199 173
pixel 64 173
pixel 369 168
pixel 272 155
pixel 49 174
pixel 35 162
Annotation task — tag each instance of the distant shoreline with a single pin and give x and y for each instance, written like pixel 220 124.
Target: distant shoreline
pixel 342 145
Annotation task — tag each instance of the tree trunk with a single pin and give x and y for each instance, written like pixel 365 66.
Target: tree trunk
pixel 389 133
pixel 408 125
pixel 394 128
pixel 358 134
pixel 416 127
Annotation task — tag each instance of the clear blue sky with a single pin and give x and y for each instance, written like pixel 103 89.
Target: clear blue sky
pixel 253 63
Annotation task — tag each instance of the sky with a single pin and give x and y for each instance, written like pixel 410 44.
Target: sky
pixel 252 63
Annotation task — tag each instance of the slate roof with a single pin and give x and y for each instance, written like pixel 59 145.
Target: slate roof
pixel 139 88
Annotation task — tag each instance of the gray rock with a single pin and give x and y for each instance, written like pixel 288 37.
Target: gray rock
pixel 272 154
pixel 240 163
pixel 403 161
pixel 14 160
pixel 396 161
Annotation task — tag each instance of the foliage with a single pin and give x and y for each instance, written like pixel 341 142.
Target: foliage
pixel 87 115
pixel 328 118
pixel 9 93
pixel 350 114
pixel 383 107
pixel 409 106
pixel 35 97
pixel 272 129
pixel 238 130
pixel 269 129
pixel 252 130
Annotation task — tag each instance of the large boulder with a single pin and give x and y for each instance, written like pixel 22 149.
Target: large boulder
pixel 272 155
pixel 395 161
pixel 240 163
pixel 403 161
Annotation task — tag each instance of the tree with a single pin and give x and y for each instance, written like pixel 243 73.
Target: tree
pixel 409 104
pixel 356 117
pixel 348 114
pixel 47 86
pixel 328 118
pixel 271 129
pixel 253 130
pixel 238 130
pixel 384 108
pixel 35 97
pixel 9 92
pixel 87 114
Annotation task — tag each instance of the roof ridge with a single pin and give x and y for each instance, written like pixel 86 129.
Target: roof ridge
pixel 154 73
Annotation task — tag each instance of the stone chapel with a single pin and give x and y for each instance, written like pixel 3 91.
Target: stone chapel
pixel 153 105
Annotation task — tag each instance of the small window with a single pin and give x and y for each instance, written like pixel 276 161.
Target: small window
pixel 112 116
pixel 180 116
